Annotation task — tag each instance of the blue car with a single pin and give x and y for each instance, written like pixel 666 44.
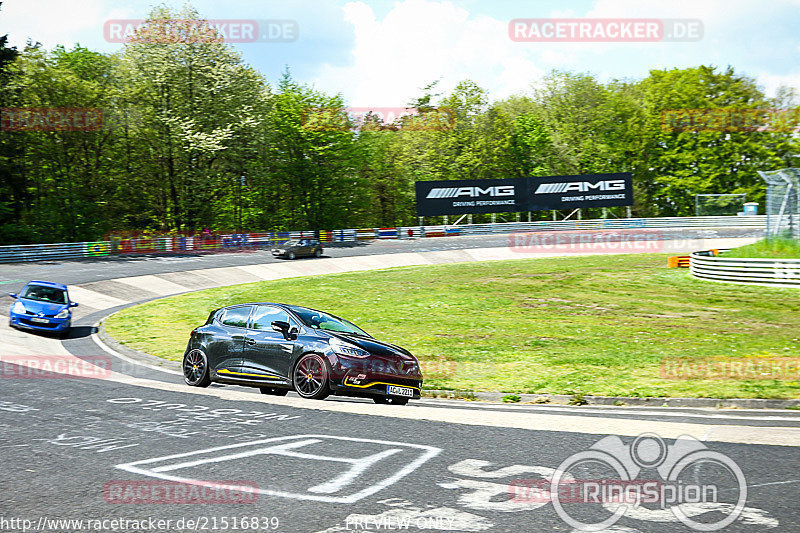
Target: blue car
pixel 42 306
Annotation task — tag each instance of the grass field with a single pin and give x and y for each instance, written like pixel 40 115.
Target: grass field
pixel 776 248
pixel 574 325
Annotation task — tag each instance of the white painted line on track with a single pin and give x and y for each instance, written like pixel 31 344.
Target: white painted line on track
pixel 321 492
pixel 606 411
pixel 127 359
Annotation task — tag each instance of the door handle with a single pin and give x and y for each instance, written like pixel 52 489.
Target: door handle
pixel 251 341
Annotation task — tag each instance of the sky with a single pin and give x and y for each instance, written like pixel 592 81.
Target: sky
pixel 382 53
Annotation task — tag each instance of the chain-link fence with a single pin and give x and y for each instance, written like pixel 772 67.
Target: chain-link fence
pixel 783 202
pixel 712 205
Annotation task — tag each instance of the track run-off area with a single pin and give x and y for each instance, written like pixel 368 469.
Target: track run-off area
pixel 118 446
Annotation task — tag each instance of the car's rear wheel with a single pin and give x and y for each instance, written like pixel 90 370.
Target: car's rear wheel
pixel 195 369
pixel 311 378
pixel 318 253
pixel 273 391
pixel 389 400
pixel 290 255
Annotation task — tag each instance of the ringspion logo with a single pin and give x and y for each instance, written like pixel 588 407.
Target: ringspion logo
pixel 692 480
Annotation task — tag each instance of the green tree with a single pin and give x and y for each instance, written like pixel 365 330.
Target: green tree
pixel 197 101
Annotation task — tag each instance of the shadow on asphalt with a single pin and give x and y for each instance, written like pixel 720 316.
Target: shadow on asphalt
pixel 80 332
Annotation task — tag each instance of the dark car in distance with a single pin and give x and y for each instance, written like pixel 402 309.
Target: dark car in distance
pixel 298 248
pixel 279 348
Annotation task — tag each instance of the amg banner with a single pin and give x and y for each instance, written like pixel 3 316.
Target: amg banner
pixel 456 197
pixel 585 190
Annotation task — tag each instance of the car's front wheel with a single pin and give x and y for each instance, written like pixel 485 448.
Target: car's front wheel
pixel 389 400
pixel 311 378
pixel 273 391
pixel 290 255
pixel 195 369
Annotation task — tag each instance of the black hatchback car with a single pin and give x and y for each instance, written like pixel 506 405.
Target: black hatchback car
pixel 298 248
pixel 279 348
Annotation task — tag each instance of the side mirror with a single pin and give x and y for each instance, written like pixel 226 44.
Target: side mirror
pixel 280 325
pixel 292 335
pixel 73 304
pixel 13 295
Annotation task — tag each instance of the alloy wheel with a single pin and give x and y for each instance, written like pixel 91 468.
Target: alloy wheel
pixel 311 377
pixel 195 369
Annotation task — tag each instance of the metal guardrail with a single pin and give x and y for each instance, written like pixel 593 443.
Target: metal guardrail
pixel 239 241
pixel 751 271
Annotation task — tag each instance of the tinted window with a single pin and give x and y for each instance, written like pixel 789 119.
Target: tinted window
pixel 265 315
pixel 237 316
pixel 320 320
pixel 45 294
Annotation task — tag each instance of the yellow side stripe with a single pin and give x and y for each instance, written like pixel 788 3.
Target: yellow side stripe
pixel 225 371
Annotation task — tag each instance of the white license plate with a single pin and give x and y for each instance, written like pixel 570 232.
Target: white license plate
pixel 399 391
pixel 40 320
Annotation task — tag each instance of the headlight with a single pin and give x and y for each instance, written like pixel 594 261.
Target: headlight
pixel 18 308
pixel 411 367
pixel 345 348
pixel 64 313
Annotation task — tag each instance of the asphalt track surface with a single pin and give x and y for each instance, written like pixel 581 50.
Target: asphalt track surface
pixel 85 448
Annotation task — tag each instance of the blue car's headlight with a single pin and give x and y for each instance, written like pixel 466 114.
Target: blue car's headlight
pixel 18 308
pixel 345 348
pixel 64 313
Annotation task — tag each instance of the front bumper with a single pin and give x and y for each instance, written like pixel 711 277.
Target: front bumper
pixel 367 387
pixel 26 321
pixel 354 378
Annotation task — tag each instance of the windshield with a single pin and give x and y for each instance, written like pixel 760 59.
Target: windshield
pixel 291 243
pixel 324 321
pixel 45 294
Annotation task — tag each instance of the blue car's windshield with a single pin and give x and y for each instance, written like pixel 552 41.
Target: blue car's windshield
pixel 41 293
pixel 324 321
